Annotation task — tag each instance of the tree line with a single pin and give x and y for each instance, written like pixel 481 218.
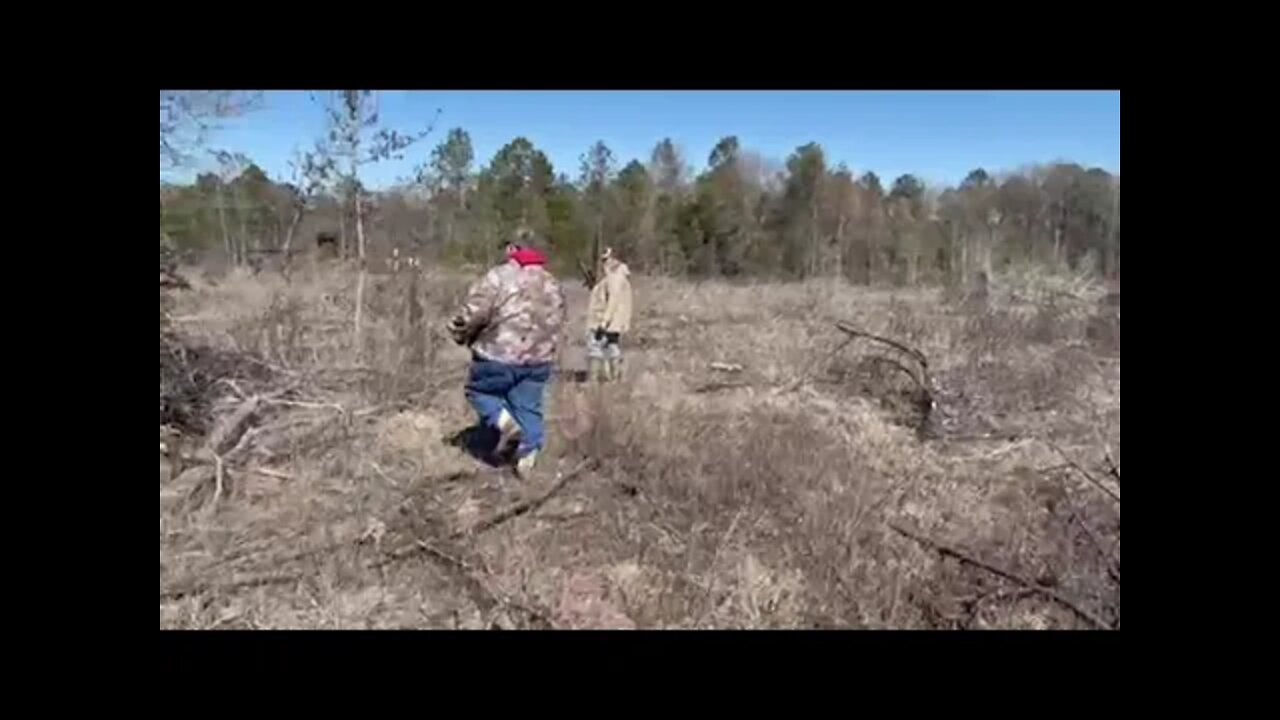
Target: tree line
pixel 744 215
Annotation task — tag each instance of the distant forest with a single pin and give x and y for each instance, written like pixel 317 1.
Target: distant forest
pixel 743 216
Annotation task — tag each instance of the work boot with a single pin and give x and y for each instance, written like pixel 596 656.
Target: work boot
pixel 509 434
pixel 524 466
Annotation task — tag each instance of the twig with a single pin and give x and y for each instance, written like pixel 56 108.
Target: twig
pixel 965 557
pixel 1095 540
pixel 483 597
pixel 987 437
pixel 308 405
pixel 904 370
pixel 181 592
pixel 1113 469
pixel 525 506
pixel 243 443
pixel 217 481
pixel 726 367
pixel 234 387
pixel 1087 475
pixel 273 473
pixel 383 474
pixel 855 332
pixel 976 604
pixel 711 586
pixel 228 432
pixel 794 385
pixel 718 386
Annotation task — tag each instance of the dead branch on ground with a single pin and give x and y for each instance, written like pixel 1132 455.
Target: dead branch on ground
pixel 914 353
pixel 483 598
pixel 795 385
pixel 194 589
pixel 525 506
pixel 227 434
pixel 718 386
pixel 1113 468
pixel 1006 574
pixel 1087 475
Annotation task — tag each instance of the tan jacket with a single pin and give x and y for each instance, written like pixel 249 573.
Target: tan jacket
pixel 610 306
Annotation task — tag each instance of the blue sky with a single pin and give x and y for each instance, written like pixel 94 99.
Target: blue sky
pixel 939 136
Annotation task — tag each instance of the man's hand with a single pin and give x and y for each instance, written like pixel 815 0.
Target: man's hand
pixel 458 331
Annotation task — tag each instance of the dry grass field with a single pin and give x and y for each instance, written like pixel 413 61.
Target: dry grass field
pixel 757 468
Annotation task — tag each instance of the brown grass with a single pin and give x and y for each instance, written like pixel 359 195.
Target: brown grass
pixel 759 498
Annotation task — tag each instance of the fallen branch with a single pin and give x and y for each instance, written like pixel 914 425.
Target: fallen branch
pixel 708 605
pixel 525 506
pixel 228 432
pixel 309 405
pixel 483 597
pixel 717 386
pixel 181 592
pixel 726 367
pixel 905 371
pixel 856 333
pixel 1096 542
pixel 976 604
pixel 273 473
pixel 219 483
pixel 1113 468
pixel 1007 575
pixel 1087 475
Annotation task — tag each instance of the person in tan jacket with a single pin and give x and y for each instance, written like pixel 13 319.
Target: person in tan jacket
pixel 608 318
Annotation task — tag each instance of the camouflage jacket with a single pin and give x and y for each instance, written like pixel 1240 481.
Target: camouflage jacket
pixel 512 315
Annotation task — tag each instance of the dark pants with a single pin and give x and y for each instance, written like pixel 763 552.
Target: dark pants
pixel 493 387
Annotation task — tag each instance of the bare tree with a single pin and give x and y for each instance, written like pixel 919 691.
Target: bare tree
pixel 355 139
pixel 310 172
pixel 187 117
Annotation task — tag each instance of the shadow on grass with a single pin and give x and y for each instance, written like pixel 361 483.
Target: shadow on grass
pixel 479 442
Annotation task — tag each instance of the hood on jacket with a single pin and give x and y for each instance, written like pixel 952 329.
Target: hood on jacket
pixel 617 266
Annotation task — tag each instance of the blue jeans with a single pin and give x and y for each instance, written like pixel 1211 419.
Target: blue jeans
pixel 493 386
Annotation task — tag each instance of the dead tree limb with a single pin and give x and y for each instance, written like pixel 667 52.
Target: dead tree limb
pixel 924 380
pixel 228 432
pixel 588 275
pixel 795 384
pixel 1113 468
pixel 194 589
pixel 903 369
pixel 525 506
pixel 482 596
pixel 1097 544
pixel 1087 475
pixel 718 386
pixel 914 353
pixel 1057 597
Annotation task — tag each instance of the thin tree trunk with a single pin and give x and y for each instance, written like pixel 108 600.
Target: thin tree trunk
pixel 286 249
pixel 361 261
pixel 840 249
pixel 244 227
pixel 222 222
pixel 814 249
pixel 988 251
pixel 342 231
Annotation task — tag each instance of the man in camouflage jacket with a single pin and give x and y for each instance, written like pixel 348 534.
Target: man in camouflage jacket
pixel 511 319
